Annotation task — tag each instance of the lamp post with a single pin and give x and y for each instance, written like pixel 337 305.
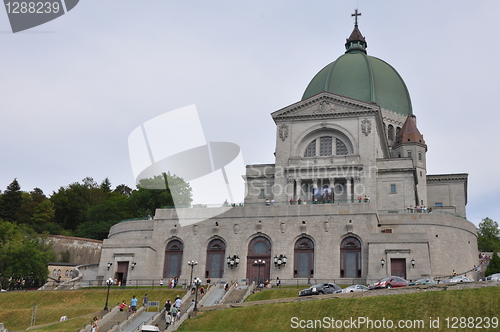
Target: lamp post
pixel 109 282
pixel 192 264
pixel 233 262
pixel 259 263
pixel 197 282
pixel 279 261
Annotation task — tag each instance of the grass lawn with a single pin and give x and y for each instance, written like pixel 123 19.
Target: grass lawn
pixel 51 305
pixel 81 305
pixel 416 308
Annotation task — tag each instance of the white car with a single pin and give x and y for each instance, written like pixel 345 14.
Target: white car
pixel 457 279
pixel 149 328
pixel 355 288
pixel 494 277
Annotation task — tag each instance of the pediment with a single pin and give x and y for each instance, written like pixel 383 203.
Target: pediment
pixel 325 105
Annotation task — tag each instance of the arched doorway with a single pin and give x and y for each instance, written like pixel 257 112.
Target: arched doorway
pixel 216 251
pixel 173 259
pixel 350 258
pixel 259 248
pixel 303 263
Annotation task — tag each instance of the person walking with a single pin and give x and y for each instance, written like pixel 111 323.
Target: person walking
pixel 145 301
pixel 133 304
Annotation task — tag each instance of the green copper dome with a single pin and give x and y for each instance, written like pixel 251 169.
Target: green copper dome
pixel 360 76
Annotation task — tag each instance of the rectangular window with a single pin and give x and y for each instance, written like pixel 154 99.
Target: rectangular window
pixel 420 156
pixel 393 188
pixel 438 204
pixel 262 193
pixel 408 154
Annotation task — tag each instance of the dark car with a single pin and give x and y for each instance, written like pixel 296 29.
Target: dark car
pixel 321 289
pixel 389 282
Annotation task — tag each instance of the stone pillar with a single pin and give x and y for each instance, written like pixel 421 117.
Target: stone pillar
pixel 348 186
pixel 289 189
pixel 298 189
pixel 332 185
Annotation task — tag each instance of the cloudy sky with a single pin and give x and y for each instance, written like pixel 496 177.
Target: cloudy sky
pixel 72 90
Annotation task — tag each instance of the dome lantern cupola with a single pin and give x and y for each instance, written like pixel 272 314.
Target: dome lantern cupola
pixel 356 42
pixel 362 77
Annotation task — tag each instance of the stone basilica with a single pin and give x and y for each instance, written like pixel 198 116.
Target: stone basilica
pixel 348 198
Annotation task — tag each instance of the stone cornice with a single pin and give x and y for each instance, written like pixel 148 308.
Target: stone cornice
pixel 328 105
pixel 447 178
pixel 396 170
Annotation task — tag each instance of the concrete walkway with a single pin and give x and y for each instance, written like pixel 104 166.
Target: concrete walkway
pixel 137 320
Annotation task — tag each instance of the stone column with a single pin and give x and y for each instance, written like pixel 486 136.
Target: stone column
pixel 298 189
pixel 332 185
pixel 289 190
pixel 348 186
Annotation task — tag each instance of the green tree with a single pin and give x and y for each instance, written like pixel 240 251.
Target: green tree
pixel 43 216
pixel 11 202
pixel 488 235
pixel 23 256
pixel 147 198
pixel 72 202
pixel 123 190
pixel 101 217
pixel 493 265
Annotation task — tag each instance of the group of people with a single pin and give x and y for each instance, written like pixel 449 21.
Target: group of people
pixel 193 289
pixel 173 311
pixel 365 199
pixel 172 283
pixel 299 201
pixel 132 308
pixel 419 209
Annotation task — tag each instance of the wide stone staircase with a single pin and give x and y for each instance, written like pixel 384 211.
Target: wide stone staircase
pixel 236 295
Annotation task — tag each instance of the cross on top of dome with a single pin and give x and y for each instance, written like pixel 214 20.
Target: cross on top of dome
pixel 356 14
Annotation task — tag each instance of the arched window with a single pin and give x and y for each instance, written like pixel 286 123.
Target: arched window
pixel 341 149
pixel 66 273
pixel 311 149
pixel 216 251
pixel 325 147
pixel 173 259
pixel 58 272
pixel 390 132
pixel 259 248
pixel 54 273
pixel 303 258
pixel 398 129
pixel 350 258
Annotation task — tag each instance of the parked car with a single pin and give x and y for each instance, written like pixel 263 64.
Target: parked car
pixel 456 279
pixel 494 277
pixel 389 282
pixel 355 288
pixel 321 289
pixel 423 281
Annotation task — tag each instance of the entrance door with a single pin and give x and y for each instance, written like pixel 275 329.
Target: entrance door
pixel 259 248
pixel 121 273
pixel 398 267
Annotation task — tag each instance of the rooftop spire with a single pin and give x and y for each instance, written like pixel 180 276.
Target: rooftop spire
pixel 356 42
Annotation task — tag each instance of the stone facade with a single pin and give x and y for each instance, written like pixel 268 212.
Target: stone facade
pixel 348 198
pixel 81 251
